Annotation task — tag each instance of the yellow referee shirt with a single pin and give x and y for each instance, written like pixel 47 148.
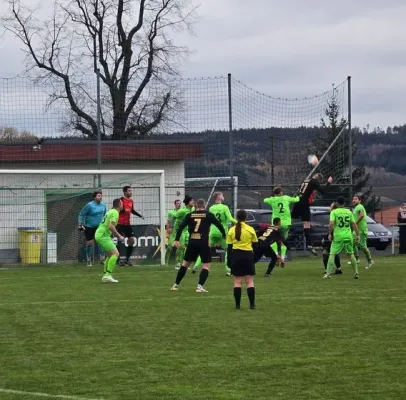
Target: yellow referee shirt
pixel 248 236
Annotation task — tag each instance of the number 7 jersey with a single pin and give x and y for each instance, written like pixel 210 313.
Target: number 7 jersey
pixel 281 208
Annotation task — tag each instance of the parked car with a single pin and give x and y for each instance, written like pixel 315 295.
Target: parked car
pixel 378 236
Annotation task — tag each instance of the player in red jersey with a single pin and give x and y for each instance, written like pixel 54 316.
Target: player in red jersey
pixel 124 222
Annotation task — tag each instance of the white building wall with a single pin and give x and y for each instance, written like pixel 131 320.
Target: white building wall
pixel 23 197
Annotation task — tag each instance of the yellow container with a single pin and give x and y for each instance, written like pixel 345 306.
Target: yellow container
pixel 30 240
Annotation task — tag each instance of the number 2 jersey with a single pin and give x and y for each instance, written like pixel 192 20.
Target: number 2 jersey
pixel 281 208
pixel 223 215
pixel 343 220
pixel 198 223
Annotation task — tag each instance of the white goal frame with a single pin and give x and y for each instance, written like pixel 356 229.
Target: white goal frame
pixel 216 180
pixel 160 172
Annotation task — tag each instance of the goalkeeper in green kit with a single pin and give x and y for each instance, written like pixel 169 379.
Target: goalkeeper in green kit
pixel 223 215
pixel 280 205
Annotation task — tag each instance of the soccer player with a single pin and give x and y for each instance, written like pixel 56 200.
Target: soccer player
pixel 240 240
pixel 103 238
pixel 326 243
pixel 307 194
pixel 360 216
pixel 89 219
pixel 171 227
pixel 341 222
pixel 180 215
pixel 280 205
pixel 265 244
pixel 198 223
pixel 223 215
pixel 124 222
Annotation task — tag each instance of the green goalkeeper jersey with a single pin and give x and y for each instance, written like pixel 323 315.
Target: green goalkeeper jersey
pixel 362 225
pixel 223 215
pixel 172 218
pixel 180 215
pixel 343 219
pixel 281 208
pixel 111 216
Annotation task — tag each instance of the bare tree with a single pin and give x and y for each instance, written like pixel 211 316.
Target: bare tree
pixel 130 42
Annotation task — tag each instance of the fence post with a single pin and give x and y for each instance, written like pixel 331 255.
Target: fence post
pixel 98 122
pixel 231 142
pixel 350 139
pixel 393 238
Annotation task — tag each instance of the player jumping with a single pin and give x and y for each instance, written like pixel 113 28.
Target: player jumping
pixel 280 205
pixel 124 223
pixel 307 194
pixel 198 223
pixel 223 215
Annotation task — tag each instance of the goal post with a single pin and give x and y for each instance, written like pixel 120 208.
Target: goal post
pixel 49 201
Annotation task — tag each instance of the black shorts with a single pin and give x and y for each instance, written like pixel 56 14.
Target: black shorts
pixel 302 211
pixel 125 230
pixel 263 249
pixel 242 263
pixel 89 233
pixel 196 249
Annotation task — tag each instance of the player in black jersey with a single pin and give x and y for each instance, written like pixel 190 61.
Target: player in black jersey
pixel 265 241
pixel 198 223
pixel 307 193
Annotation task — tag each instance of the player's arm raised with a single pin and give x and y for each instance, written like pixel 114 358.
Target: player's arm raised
pixel 295 199
pixel 229 217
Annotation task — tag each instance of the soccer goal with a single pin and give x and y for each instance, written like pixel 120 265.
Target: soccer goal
pixel 40 210
pixel 206 186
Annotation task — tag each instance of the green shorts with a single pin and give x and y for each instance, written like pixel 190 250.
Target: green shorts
pixel 217 240
pixel 105 242
pixel 363 239
pixel 338 246
pixel 171 238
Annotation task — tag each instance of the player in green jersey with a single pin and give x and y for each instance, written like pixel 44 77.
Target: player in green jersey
pixel 171 228
pixel 180 215
pixel 340 233
pixel 104 240
pixel 360 217
pixel 223 215
pixel 280 205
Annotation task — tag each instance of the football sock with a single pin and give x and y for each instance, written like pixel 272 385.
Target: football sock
pixel 251 295
pixel 367 254
pixel 106 263
pixel 337 261
pixel 330 264
pixel 325 261
pixel 181 273
pixel 89 252
pixel 237 296
pixel 354 264
pixel 308 237
pixel 129 251
pixel 283 252
pixel 111 264
pixel 204 273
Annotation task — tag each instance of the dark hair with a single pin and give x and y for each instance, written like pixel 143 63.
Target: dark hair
pixel 241 217
pixel 116 203
pixel 96 193
pixel 276 221
pixel 358 196
pixel 277 190
pixel 318 176
pixel 176 201
pixel 200 203
pixel 340 201
pixel 187 199
pixel 125 188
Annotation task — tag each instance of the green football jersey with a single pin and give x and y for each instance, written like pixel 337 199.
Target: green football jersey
pixel 111 216
pixel 281 208
pixel 223 215
pixel 343 219
pixel 180 215
pixel 362 225
pixel 172 218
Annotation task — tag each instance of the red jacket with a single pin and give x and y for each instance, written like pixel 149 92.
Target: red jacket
pixel 128 209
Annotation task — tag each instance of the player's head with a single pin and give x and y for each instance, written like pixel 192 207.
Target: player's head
pixel 318 176
pixel 241 215
pixel 356 200
pixel 97 196
pixel 177 204
pixel 189 201
pixel 340 201
pixel 118 204
pixel 127 191
pixel 276 222
pixel 278 191
pixel 218 197
pixel 333 206
pixel 200 204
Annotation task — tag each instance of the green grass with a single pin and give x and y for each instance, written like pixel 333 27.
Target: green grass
pixel 65 333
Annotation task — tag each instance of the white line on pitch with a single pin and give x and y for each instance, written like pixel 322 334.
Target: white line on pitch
pixel 44 395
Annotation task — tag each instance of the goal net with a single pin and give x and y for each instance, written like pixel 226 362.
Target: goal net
pixel 39 215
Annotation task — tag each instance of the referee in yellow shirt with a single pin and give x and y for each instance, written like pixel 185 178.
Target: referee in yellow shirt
pixel 241 258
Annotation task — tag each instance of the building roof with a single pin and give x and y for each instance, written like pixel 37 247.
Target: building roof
pixel 86 151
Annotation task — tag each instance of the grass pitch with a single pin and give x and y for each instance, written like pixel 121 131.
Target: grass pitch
pixel 66 335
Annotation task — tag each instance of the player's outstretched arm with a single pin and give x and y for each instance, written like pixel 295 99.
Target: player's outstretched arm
pixel 229 217
pixel 137 214
pixel 295 199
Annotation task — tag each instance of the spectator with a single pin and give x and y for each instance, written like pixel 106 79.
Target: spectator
pixel 402 229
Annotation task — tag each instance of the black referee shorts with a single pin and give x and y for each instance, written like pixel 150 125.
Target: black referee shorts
pixel 302 211
pixel 196 249
pixel 89 233
pixel 125 230
pixel 242 263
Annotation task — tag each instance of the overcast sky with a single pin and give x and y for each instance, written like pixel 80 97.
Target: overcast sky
pixel 297 48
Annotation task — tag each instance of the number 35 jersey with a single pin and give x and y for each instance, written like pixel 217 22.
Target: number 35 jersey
pixel 281 208
pixel 343 219
pixel 223 215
